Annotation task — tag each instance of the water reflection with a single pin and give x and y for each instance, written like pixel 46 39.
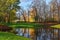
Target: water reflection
pixel 45 35
pixel 38 34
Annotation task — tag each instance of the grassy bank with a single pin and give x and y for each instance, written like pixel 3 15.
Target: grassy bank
pixel 11 36
pixel 24 25
pixel 56 26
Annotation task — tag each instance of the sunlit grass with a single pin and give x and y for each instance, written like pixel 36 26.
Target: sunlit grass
pixel 11 36
pixel 56 26
pixel 24 25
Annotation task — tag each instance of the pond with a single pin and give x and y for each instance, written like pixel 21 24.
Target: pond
pixel 39 33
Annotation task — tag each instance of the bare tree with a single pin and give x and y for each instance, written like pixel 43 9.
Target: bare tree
pixel 55 9
pixel 58 5
pixel 41 8
pixel 22 13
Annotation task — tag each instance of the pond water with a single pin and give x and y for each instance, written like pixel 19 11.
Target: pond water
pixel 38 33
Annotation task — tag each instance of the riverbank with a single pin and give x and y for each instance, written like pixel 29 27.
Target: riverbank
pixel 11 36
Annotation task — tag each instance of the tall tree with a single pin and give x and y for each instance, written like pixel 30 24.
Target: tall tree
pixel 55 10
pixel 41 8
pixel 7 7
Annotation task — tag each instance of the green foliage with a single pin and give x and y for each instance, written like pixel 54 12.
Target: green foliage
pixel 5 4
pixel 8 9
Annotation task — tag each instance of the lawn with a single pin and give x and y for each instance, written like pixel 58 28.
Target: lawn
pixel 11 36
pixel 56 26
pixel 24 25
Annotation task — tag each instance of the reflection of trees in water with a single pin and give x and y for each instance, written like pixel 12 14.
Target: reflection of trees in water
pixel 26 32
pixel 45 35
pixel 38 33
pixel 42 34
pixel 21 31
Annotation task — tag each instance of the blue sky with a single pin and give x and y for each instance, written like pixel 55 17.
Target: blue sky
pixel 26 3
pixel 47 1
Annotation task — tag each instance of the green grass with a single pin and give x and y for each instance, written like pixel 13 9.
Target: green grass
pixel 11 36
pixel 56 26
pixel 24 25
